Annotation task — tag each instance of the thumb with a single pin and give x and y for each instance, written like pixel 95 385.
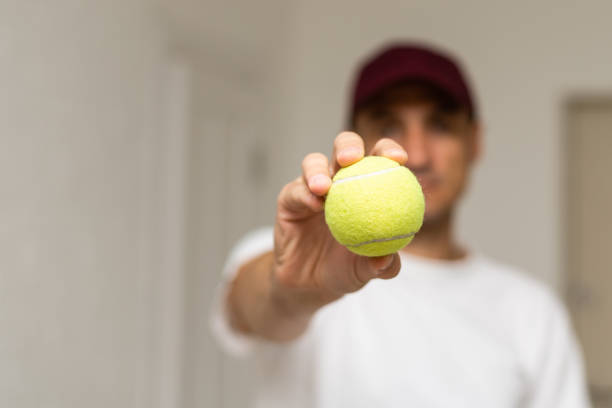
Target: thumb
pixel 385 267
pixel 382 267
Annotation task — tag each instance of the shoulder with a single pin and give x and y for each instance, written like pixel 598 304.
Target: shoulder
pixel 541 334
pixel 535 315
pixel 259 237
pixel 531 309
pixel 250 245
pixel 514 286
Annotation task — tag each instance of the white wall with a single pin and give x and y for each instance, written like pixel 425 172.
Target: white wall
pixel 524 57
pixel 78 122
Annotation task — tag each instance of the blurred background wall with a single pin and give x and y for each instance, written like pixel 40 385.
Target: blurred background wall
pixel 79 127
pixel 140 139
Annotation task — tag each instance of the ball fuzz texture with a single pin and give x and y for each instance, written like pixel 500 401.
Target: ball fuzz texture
pixel 375 206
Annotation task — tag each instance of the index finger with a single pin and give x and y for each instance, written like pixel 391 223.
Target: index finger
pixel 348 149
pixel 315 171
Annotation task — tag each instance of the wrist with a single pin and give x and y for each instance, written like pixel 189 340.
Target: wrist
pixel 295 302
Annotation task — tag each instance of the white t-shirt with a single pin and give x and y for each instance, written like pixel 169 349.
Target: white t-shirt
pixel 469 333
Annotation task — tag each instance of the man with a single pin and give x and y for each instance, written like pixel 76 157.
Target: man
pixel 436 325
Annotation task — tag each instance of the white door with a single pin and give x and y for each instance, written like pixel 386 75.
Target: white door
pixel 226 173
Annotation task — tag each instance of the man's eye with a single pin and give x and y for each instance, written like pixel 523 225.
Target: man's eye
pixel 439 125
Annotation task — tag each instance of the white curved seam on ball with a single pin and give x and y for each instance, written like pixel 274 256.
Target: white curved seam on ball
pixel 373 241
pixel 360 176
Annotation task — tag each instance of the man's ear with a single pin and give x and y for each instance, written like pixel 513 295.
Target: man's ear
pixel 475 141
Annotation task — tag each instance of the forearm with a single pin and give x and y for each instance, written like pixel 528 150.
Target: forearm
pixel 259 305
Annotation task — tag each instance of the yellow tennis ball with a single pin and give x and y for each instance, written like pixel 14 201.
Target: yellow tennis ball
pixel 375 206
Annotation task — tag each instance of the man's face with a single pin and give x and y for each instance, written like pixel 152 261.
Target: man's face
pixel 441 143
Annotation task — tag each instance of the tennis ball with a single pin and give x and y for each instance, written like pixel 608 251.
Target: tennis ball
pixel 374 207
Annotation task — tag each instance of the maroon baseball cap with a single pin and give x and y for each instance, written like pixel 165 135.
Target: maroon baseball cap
pixel 407 61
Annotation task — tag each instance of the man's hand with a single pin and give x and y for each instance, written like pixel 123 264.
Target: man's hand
pixel 275 295
pixel 306 256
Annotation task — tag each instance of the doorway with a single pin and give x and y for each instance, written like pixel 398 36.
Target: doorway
pixel 589 236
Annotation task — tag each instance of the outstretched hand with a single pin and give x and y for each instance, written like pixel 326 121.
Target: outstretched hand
pixel 306 256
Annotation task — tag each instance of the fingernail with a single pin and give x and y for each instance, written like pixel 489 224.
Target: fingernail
pixel 350 152
pixel 318 180
pixel 397 153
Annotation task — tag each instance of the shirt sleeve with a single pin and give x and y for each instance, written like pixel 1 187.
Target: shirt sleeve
pixel 553 357
pixel 250 246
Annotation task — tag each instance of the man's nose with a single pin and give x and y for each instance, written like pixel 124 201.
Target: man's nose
pixel 415 144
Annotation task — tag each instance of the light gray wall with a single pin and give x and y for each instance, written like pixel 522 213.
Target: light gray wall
pixel 78 123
